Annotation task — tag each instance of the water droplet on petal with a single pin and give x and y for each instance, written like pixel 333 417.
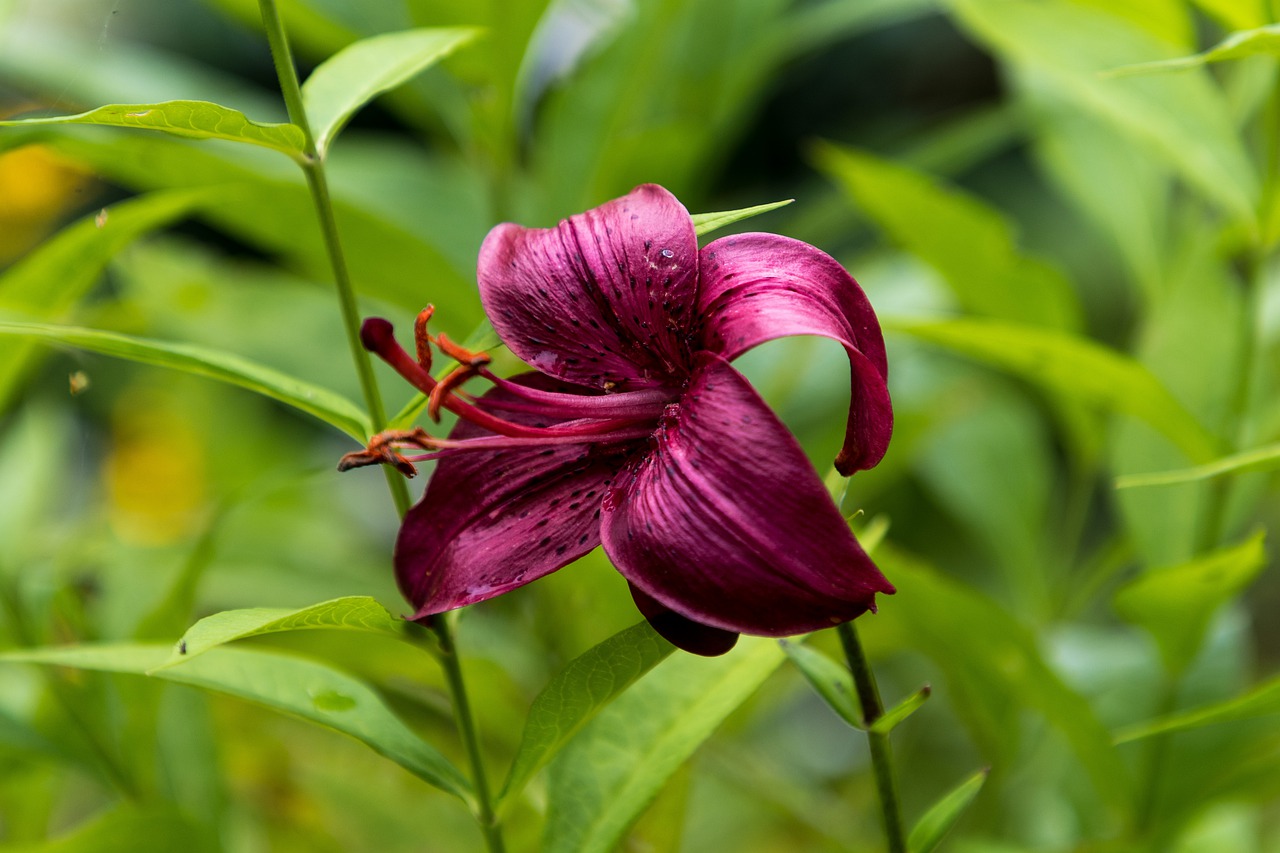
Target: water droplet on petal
pixel 667 253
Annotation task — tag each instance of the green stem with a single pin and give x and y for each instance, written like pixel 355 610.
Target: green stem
pixel 1153 760
pixel 465 721
pixel 313 167
pixel 318 184
pixel 881 749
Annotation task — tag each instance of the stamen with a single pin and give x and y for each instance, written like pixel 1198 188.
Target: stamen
pixel 378 337
pixel 422 340
pixel 641 404
pixel 447 386
pixel 381 450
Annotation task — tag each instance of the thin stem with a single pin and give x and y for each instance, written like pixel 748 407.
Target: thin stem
pixel 466 724
pixel 313 167
pixel 864 681
pixel 1155 757
pixel 318 184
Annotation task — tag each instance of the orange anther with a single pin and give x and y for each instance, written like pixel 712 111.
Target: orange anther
pixel 421 338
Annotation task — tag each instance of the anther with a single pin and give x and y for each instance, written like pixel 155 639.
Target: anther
pixel 381 450
pixel 421 339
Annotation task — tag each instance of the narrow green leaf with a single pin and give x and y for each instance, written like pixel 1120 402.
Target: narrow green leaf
pixel 351 613
pixel 831 680
pixel 49 281
pixel 895 715
pixel 131 829
pixel 705 223
pixel 1075 368
pixel 1260 459
pixel 1182 119
pixel 994 670
pixel 1255 42
pixel 603 779
pixel 578 692
pixel 303 688
pixel 328 406
pixel 1175 604
pixel 967 241
pixel 1261 701
pixel 192 119
pixel 360 72
pixel 927 834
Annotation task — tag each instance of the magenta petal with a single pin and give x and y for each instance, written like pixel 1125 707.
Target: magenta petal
pixel 604 298
pixel 492 521
pixel 758 287
pixel 681 631
pixel 726 523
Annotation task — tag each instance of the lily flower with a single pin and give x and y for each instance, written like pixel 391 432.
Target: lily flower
pixel 636 433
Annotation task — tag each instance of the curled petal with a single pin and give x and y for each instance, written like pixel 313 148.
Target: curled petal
pixel 681 631
pixel 725 522
pixel 601 300
pixel 491 521
pixel 758 287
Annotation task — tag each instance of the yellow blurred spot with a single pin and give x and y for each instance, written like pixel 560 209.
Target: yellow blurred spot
pixel 155 472
pixel 36 188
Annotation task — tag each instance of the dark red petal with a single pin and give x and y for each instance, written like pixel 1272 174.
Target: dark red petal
pixel 680 631
pixel 604 298
pixel 725 522
pixel 491 521
pixel 758 287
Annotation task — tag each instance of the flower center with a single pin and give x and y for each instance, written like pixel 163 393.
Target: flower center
pixel 583 418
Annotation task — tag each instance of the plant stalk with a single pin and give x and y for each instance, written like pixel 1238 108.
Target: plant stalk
pixel 864 681
pixel 465 721
pixel 317 183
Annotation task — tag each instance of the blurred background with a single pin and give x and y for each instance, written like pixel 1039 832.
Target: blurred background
pixel 963 159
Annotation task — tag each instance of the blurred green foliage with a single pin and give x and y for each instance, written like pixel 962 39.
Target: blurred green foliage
pixel 1078 273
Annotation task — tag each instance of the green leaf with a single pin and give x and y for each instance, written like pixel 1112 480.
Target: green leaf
pixel 927 834
pixel 605 777
pixel 1260 459
pixel 191 119
pixel 1175 604
pixel 360 72
pixel 1263 41
pixel 1075 368
pixel 993 668
pixel 578 692
pixel 264 201
pixel 351 613
pixel 303 688
pixel 895 715
pixel 705 223
pixel 326 405
pixel 830 679
pixel 967 241
pixel 1181 119
pixel 131 829
pixel 48 282
pixel 1262 701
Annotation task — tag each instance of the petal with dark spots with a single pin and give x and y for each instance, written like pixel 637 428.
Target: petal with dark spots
pixel 680 631
pixel 725 522
pixel 605 298
pixel 491 521
pixel 758 287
